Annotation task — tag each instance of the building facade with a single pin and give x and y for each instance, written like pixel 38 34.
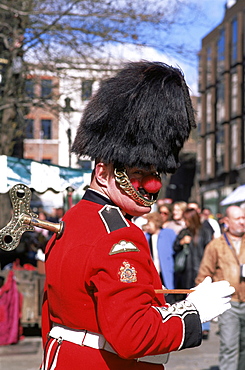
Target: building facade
pixel 42 121
pixel 57 103
pixel 221 145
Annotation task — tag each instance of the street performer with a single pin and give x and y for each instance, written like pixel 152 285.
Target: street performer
pixel 101 308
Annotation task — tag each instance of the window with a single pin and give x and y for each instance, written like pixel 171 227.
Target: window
pixel 46 88
pixel 220 104
pixel 234 33
pixel 87 89
pixel 209 60
pixel 46 125
pixel 29 128
pixel 208 111
pixel 29 88
pixel 220 149
pixel 46 161
pixel 234 144
pixel 234 94
pixel 221 52
pixel 208 156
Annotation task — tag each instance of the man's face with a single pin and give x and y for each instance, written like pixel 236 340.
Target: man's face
pixel 205 215
pixel 236 222
pixel 121 199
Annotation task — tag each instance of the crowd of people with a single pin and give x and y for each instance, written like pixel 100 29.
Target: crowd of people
pixel 187 245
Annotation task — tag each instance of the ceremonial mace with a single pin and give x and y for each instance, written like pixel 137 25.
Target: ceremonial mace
pixel 23 219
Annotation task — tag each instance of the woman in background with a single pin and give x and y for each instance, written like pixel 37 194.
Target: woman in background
pixel 165 211
pixel 195 237
pixel 161 246
pixel 177 223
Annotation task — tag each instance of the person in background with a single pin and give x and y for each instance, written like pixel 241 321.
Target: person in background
pixel 224 258
pixel 161 246
pixel 206 215
pixel 55 216
pixel 194 205
pixel 220 220
pixel 42 236
pixel 195 237
pixel 215 231
pixel 177 223
pixel 165 211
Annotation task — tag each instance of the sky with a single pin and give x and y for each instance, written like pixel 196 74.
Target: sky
pixel 213 14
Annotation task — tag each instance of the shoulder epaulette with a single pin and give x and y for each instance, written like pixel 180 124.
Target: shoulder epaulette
pixel 112 218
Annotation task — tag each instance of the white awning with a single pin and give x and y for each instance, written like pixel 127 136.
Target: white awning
pixel 236 196
pixel 40 176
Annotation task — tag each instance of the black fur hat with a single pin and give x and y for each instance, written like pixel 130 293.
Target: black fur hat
pixel 139 118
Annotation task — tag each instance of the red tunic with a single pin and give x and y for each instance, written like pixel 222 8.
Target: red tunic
pixel 100 277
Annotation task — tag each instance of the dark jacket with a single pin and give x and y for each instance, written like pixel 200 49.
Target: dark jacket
pixel 186 279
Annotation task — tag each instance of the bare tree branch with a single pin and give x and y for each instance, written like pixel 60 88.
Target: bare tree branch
pixel 60 34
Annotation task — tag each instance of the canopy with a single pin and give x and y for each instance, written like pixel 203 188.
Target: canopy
pixel 40 176
pixel 236 196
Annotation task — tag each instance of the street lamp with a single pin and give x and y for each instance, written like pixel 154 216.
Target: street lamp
pixel 67 110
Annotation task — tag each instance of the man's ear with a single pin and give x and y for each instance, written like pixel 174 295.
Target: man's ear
pixel 102 172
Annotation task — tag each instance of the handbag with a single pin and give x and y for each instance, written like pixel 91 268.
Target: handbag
pixel 180 259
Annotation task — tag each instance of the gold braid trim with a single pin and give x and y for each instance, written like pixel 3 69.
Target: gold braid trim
pixel 122 179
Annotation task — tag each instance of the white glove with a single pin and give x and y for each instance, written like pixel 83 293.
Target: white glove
pixel 211 299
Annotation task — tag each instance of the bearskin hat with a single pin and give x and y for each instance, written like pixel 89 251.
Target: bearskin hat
pixel 139 118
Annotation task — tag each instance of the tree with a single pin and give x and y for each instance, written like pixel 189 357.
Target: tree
pixel 54 33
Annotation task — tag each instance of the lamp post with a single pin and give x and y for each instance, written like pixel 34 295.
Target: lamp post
pixel 67 111
pixel 68 132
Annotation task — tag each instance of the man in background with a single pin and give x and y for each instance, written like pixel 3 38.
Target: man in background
pixel 206 215
pixel 224 258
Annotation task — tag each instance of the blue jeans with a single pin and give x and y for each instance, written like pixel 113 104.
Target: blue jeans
pixel 232 338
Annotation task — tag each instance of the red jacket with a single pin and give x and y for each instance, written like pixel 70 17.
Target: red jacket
pixel 100 277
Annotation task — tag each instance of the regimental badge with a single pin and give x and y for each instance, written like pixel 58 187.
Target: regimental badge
pixel 127 273
pixel 123 246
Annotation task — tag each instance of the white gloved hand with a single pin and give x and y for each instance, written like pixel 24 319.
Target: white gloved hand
pixel 211 299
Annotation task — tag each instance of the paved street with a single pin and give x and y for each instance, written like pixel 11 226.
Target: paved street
pixel 205 357
pixel 26 355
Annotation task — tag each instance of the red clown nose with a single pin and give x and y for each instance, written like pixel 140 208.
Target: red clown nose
pixel 152 184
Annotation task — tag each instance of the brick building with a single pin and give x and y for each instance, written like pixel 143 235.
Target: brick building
pixel 42 130
pixel 221 144
pixel 57 102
